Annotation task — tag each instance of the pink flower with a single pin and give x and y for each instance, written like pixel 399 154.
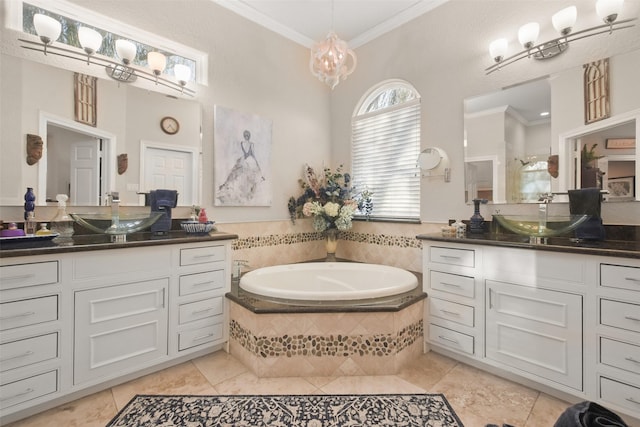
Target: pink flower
pixel 306 209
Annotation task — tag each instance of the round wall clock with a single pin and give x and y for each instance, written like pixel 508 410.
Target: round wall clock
pixel 170 125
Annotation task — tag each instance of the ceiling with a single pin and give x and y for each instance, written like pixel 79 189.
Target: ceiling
pixel 308 21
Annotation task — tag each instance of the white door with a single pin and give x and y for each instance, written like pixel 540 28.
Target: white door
pixel 169 169
pixel 85 173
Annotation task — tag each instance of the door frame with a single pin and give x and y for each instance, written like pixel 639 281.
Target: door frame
pixel 108 149
pixel 195 161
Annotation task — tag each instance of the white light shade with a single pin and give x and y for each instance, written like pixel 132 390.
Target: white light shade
pixel 564 20
pixel 528 34
pixel 157 62
pixel 47 28
pixel 498 49
pixel 608 10
pixel 90 39
pixel 182 73
pixel 329 60
pixel 126 50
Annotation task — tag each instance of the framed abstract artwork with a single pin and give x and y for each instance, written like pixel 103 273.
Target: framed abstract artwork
pixel 242 158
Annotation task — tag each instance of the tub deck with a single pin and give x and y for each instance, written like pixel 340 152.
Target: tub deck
pixel 262 304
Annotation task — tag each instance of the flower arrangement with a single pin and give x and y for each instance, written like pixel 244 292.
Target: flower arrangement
pixel 330 199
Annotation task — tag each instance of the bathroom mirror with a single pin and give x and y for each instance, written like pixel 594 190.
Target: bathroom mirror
pixel 513 153
pixel 39 100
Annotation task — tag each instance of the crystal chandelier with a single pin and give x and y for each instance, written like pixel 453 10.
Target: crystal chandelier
pixel 330 59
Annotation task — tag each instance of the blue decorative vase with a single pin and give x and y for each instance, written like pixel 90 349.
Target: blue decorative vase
pixel 476 223
pixel 29 202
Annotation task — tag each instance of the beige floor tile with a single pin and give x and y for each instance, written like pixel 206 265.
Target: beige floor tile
pixel 546 411
pixel 427 370
pixel 95 410
pixel 219 366
pixel 380 384
pixel 248 383
pixel 180 379
pixel 497 399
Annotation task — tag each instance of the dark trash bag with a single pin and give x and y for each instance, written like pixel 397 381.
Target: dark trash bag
pixel 589 414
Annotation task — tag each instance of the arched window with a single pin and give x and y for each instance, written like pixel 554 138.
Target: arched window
pixel 385 135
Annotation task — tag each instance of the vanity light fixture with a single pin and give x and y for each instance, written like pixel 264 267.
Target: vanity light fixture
pixel 563 22
pixel 329 58
pixel 120 68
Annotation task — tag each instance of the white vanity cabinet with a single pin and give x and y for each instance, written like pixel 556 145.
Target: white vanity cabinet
pixel 30 332
pixel 618 334
pixel 75 322
pixel 567 323
pixel 455 294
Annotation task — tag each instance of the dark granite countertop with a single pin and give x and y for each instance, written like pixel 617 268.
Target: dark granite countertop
pixel 261 304
pixel 95 242
pixel 618 248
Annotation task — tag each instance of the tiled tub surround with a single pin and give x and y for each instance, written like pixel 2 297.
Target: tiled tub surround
pixel 279 242
pixel 325 340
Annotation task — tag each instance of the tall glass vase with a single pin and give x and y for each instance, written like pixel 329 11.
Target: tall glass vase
pixel 331 243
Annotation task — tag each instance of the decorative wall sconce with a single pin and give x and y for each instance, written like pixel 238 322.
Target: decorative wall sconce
pixel 49 29
pixel 563 22
pixel 35 146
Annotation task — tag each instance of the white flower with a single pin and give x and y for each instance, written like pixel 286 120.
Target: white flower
pixel 332 209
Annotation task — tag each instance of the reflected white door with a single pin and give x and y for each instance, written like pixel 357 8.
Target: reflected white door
pixel 85 173
pixel 169 169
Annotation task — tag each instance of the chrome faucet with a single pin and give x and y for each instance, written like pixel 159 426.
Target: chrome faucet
pixel 114 199
pixel 543 210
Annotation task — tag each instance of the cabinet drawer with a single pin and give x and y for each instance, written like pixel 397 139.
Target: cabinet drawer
pixel 28 312
pixel 202 255
pixel 201 282
pixel 200 310
pixel 620 276
pixel 620 355
pixel 17 354
pixel 452 283
pixel 451 339
pixel 462 257
pixel 452 311
pixel 621 394
pixel 21 275
pixel 28 389
pixel 620 315
pixel 199 336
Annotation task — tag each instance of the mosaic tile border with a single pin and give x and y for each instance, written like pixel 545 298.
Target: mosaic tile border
pixel 293 238
pixel 379 345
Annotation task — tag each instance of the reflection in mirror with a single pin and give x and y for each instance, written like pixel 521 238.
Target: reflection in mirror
pixel 507 144
pixel 40 101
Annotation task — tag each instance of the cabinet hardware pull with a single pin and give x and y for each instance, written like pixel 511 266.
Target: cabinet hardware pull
pixel 27 391
pixel 450 256
pixel 632 279
pixel 450 284
pixel 163 299
pixel 632 400
pixel 442 337
pixel 200 283
pixel 203 256
pixel 453 313
pixel 201 337
pixel 204 310
pixel 490 298
pixel 20 277
pixel 632 318
pixel 631 359
pixel 15 316
pixel 17 356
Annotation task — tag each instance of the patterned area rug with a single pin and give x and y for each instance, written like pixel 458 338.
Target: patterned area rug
pixel 284 411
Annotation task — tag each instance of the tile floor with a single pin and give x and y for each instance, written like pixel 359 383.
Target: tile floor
pixel 477 397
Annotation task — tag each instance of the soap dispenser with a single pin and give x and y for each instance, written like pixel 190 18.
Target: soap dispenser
pixel 62 223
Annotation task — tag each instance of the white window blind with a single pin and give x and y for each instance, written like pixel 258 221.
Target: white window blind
pixel 385 149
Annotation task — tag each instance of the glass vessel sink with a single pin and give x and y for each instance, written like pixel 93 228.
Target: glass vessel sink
pixel 118 226
pixel 532 226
